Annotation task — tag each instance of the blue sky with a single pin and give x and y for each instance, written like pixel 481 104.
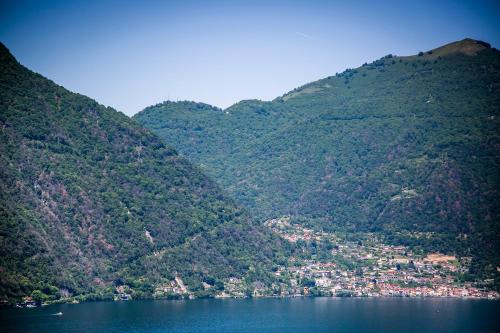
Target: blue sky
pixel 131 54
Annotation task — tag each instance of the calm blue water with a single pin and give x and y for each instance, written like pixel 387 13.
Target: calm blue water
pixel 262 315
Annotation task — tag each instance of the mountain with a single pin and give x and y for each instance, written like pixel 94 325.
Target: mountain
pixel 406 146
pixel 90 201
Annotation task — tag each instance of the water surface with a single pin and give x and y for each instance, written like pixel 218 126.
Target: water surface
pixel 262 315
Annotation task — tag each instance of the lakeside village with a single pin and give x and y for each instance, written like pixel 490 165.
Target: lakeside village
pixel 351 269
pixel 386 270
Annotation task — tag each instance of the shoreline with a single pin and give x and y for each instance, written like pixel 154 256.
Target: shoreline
pixel 75 302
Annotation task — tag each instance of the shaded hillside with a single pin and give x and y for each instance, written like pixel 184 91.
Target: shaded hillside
pixel 405 146
pixel 89 200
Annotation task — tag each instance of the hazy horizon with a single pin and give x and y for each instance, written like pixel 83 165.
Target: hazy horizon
pixel 129 55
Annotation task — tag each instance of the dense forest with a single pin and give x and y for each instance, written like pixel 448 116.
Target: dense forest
pixel 90 200
pixel 405 146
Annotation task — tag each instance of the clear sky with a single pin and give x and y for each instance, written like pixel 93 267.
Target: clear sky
pixel 131 54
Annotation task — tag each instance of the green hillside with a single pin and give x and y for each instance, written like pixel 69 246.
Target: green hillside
pixel 90 200
pixel 405 146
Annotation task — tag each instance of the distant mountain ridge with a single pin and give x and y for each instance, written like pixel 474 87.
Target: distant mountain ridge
pixel 405 146
pixel 91 201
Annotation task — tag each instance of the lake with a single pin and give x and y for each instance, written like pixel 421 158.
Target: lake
pixel 261 315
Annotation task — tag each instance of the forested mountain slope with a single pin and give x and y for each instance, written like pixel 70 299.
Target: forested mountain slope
pixel 405 146
pixel 90 200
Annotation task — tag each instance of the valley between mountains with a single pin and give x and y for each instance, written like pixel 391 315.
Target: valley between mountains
pixel 382 180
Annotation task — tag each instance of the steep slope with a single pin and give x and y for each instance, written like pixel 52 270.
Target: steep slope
pixel 90 200
pixel 405 146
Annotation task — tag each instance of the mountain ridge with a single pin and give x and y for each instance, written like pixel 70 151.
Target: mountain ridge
pixel 91 201
pixel 372 148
